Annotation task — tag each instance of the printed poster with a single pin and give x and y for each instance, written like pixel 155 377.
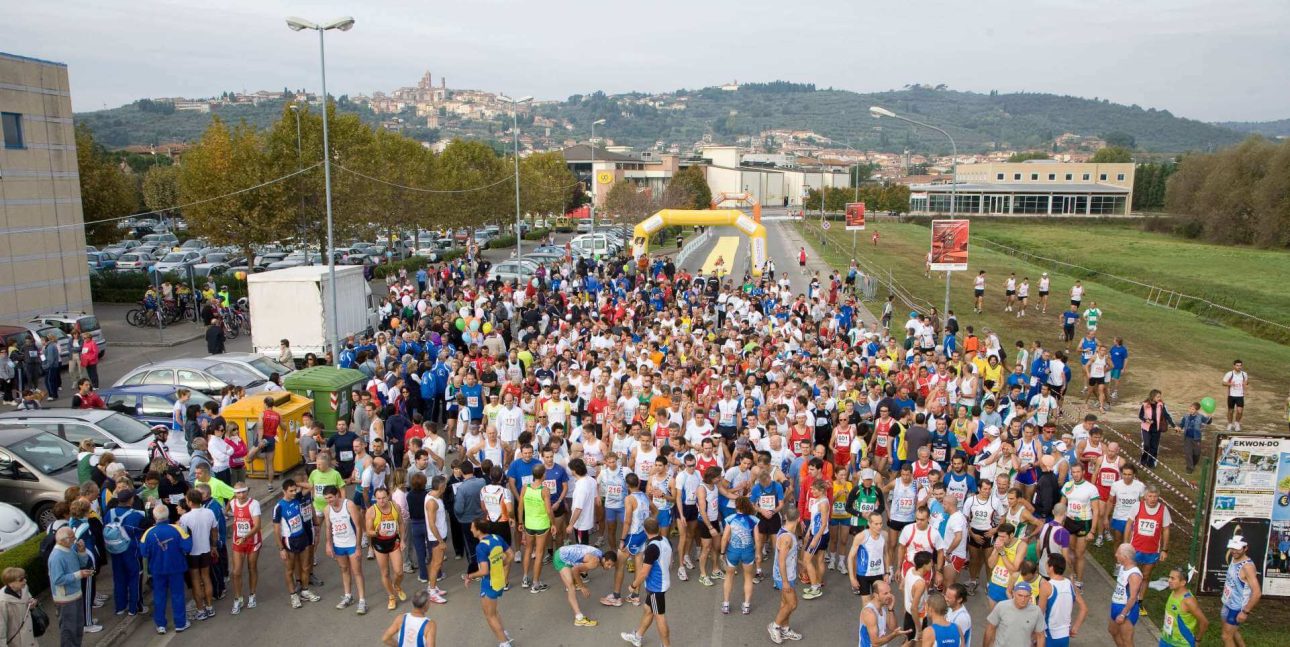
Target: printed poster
pixel 855 216
pixel 1250 498
pixel 949 246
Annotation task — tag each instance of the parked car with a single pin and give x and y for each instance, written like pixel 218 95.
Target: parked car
pixel 35 468
pixel 297 259
pixel 102 261
pixel 483 239
pixel 39 333
pixel 207 376
pixel 66 322
pixel 167 240
pixel 512 270
pixel 15 526
pixel 110 431
pixel 149 404
pixel 177 261
pixel 436 249
pixel 544 258
pixel 257 363
pixel 209 270
pixel 135 261
pixel 263 261
pixel 194 244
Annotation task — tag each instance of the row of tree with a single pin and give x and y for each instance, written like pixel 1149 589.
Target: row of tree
pixel 889 197
pixel 628 203
pixel 1237 195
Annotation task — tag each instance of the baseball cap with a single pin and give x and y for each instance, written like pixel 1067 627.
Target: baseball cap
pixel 1059 446
pixel 992 430
pixel 868 475
pixel 1237 542
pixel 1022 586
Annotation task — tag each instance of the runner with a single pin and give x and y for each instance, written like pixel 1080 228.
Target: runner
pixel 636 510
pixel 535 518
pixel 768 496
pixel 654 574
pixel 382 525
pixel 876 616
pixel 1016 622
pixel 1148 533
pixel 1005 559
pixel 246 545
pixel 1236 381
pixel 868 558
pixel 737 544
pixel 294 537
pixel 1043 293
pixel 956 596
pixel 436 521
pixel 687 484
pixel 784 576
pixel 978 291
pixel 1083 509
pixel 1125 495
pixel 340 535
pixel 1241 591
pixel 841 521
pixel 412 629
pixel 492 569
pixel 915 588
pixel 1184 622
pixel 572 563
pixel 984 514
pixel 1125 604
pixel 944 633
pixel 709 525
pixel 816 540
pixel 1063 604
pixel 904 500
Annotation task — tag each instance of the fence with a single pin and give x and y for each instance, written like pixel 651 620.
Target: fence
pixel 881 275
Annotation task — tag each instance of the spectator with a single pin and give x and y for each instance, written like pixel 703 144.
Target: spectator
pixel 15 609
pixel 8 375
pixel 125 525
pixel 85 397
pixel 52 363
pixel 166 546
pixel 90 359
pixel 69 563
pixel 215 337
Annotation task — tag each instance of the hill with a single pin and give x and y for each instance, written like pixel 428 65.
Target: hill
pixel 1278 128
pixel 978 122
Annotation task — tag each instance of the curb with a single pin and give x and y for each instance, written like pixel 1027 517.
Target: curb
pixel 117 634
pixel 162 344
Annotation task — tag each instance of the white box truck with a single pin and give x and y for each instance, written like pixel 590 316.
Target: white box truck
pixel 295 304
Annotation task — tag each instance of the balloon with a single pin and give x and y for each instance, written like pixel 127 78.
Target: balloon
pixel 1207 405
pixel 394 323
pixel 464 312
pixel 488 327
pixel 474 325
pixel 241 276
pixel 461 323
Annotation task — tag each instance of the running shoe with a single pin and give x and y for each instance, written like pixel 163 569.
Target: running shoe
pixel 745 608
pixel 295 601
pixel 682 575
pixel 403 597
pixel 201 615
pixel 705 580
pixel 309 596
pixel 182 629
pixel 842 566
pixel 539 587
pixel 1098 542
pixel 345 601
pixel 392 603
pixel 812 592
pixel 438 598
pixel 725 608
pixel 718 575
pixel 631 637
pixel 362 608
pixel 758 577
pixel 161 631
pixel 584 621
pixel 689 563
pixel 775 636
pixel 828 563
pixel 634 598
pixel 250 601
pixel 237 606
pixel 525 583
pixel 789 634
pixel 612 600
pixel 210 612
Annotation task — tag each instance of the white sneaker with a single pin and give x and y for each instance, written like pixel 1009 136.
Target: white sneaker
pixel 682 575
pixel 295 601
pixel 309 596
pixel 842 566
pixel 250 602
pixel 631 637
pixel 93 629
pixel 828 563
pixel 237 606
pixel 345 601
pixel 775 637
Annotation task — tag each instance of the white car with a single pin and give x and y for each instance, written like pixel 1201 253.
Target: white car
pixel 15 527
pixel 512 270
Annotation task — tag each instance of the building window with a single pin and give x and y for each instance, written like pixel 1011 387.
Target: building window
pixel 1034 177
pixel 1069 177
pixel 1016 176
pixel 1102 177
pixel 12 124
pixel 999 176
pixel 1086 176
pixel 1119 177
pixel 1052 176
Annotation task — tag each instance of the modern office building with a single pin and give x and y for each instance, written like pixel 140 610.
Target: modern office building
pixel 1035 187
pixel 42 232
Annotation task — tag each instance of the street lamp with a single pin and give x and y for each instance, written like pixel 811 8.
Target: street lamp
pixel 593 172
pixel 515 128
pixel 879 112
pixel 344 24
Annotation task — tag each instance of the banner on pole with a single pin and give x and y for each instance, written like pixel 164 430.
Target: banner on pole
pixel 1250 498
pixel 855 216
pixel 949 246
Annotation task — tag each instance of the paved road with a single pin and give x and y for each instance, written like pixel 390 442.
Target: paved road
pixel 544 619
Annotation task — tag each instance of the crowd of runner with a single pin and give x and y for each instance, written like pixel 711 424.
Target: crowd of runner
pixel 677 430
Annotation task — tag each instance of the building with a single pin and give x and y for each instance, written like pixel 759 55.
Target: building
pixel 1034 187
pixel 647 169
pixel 729 171
pixel 42 233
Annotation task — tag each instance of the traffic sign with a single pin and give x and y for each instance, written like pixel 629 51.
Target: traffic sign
pixel 824 224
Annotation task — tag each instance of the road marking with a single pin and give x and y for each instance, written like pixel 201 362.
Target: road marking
pixel 726 249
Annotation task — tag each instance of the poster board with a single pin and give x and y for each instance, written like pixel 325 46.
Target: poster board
pixel 949 246
pixel 855 216
pixel 1250 497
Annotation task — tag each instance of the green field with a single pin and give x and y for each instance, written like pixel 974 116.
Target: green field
pixel 1241 278
pixel 1175 351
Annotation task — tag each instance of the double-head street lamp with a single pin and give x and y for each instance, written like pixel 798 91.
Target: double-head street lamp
pixel 878 113
pixel 343 24
pixel 515 129
pixel 595 123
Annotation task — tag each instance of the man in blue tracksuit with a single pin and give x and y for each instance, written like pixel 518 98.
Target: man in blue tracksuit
pixel 166 547
pixel 127 567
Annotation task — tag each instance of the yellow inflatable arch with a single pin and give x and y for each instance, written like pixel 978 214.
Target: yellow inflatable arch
pixel 716 217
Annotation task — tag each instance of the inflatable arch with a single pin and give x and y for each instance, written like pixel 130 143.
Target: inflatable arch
pixel 754 230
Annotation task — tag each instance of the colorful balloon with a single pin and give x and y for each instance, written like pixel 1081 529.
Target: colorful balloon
pixel 394 323
pixel 488 327
pixel 461 323
pixel 474 325
pixel 1207 405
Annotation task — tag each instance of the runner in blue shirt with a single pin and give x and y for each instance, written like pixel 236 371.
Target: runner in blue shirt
pixel 738 542
pixel 1119 356
pixel 492 563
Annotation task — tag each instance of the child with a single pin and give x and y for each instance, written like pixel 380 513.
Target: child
pixel 1191 425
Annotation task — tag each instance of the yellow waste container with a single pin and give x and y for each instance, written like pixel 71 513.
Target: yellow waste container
pixel 245 413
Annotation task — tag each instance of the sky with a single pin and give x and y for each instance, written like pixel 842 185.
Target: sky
pixel 1214 60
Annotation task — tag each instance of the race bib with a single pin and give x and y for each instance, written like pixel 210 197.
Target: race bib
pixel 339 527
pixel 242 528
pixel 1076 508
pixel 882 441
pixel 307 513
pixel 472 401
pixel 905 504
pixel 294 525
pixel 1108 479
pixel 549 485
pixel 938 454
pixel 1147 527
pixel 347 457
pixel 867 507
pixel 844 441
pixel 981 516
pixel 1167 628
pixel 660 502
pixel 839 508
pixel 614 491
pixel 875 565
pixel 175 499
pixel 388 528
pixel 318 490
pixel 766 501
pixel 1000 574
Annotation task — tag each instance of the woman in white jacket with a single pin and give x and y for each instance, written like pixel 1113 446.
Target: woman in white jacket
pixel 221 451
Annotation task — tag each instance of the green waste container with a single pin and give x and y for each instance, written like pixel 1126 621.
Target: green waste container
pixel 330 388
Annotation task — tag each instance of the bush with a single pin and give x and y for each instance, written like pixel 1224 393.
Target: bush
pixel 128 287
pixel 27 557
pixel 413 264
pixel 537 234
pixel 501 242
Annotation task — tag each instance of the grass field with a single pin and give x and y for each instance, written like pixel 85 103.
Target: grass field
pixel 1241 278
pixel 1171 350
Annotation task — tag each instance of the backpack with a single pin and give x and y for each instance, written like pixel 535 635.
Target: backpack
pixel 115 535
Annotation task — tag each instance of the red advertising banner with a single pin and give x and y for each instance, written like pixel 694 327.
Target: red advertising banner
pixel 949 246
pixel 855 216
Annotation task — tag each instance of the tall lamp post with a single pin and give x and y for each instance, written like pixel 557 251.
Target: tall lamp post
pixel 515 128
pixel 344 24
pixel 878 113
pixel 593 172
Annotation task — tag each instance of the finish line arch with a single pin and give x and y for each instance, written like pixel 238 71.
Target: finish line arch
pixel 754 230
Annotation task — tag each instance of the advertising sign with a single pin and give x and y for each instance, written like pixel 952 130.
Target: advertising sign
pixel 1250 498
pixel 949 245
pixel 855 216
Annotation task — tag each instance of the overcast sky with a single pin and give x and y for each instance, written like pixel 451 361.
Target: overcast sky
pixel 1206 59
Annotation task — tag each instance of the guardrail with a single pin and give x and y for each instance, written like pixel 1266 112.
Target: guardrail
pixel 694 243
pixel 881 275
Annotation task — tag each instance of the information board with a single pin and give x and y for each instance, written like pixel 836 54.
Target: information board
pixel 1250 498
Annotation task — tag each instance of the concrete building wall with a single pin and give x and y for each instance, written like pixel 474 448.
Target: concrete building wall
pixel 42 233
pixel 1120 175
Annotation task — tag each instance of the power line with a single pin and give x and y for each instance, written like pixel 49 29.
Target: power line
pixel 508 178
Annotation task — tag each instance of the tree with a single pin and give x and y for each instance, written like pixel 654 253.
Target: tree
pixel 1025 156
pixel 480 181
pixel 861 173
pixel 1112 155
pixel 1120 139
pixel 224 162
pixel 1238 195
pixel 691 182
pixel 161 189
pixel 545 183
pixel 627 203
pixel 107 192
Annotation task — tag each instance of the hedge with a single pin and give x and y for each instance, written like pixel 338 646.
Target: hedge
pixel 27 557
pixel 128 287
pixel 501 242
pixel 413 264
pixel 537 234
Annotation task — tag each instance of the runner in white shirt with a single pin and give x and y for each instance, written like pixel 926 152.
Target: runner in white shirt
pixel 1236 380
pixel 1125 494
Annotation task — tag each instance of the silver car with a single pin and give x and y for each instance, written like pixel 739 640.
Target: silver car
pixel 35 469
pixel 259 364
pixel 135 261
pixel 110 431
pixel 205 375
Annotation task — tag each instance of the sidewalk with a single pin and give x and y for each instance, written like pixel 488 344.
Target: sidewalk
pixel 815 262
pixel 111 318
